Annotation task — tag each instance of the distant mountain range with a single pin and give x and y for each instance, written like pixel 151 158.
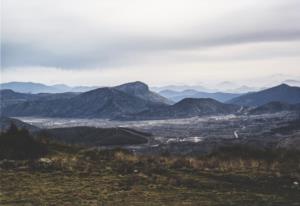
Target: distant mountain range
pixel 10 97
pixel 223 87
pixel 242 89
pixel 179 95
pixel 34 88
pixel 106 102
pixel 134 101
pixel 182 88
pixel 281 93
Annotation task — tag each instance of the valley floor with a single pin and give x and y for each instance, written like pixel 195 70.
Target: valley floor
pixel 221 126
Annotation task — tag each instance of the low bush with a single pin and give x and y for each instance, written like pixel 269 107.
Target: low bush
pixel 18 144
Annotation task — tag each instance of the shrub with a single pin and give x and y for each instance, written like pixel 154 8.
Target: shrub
pixel 18 144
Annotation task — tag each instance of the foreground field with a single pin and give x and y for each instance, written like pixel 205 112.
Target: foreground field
pixel 75 176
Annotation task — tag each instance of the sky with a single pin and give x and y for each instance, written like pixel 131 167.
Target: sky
pixel 160 42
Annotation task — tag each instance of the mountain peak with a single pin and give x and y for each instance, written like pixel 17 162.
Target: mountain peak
pixel 196 101
pixel 137 85
pixel 141 90
pixel 283 85
pixel 280 93
pixel 280 87
pixel 133 88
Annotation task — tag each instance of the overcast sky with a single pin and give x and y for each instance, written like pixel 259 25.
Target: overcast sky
pixel 107 42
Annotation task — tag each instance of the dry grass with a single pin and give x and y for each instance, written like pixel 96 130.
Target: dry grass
pixel 76 177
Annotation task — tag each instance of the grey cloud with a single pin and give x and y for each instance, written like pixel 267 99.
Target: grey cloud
pixel 14 54
pixel 256 25
pixel 18 54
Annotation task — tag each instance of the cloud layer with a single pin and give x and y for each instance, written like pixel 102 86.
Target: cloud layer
pixel 108 36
